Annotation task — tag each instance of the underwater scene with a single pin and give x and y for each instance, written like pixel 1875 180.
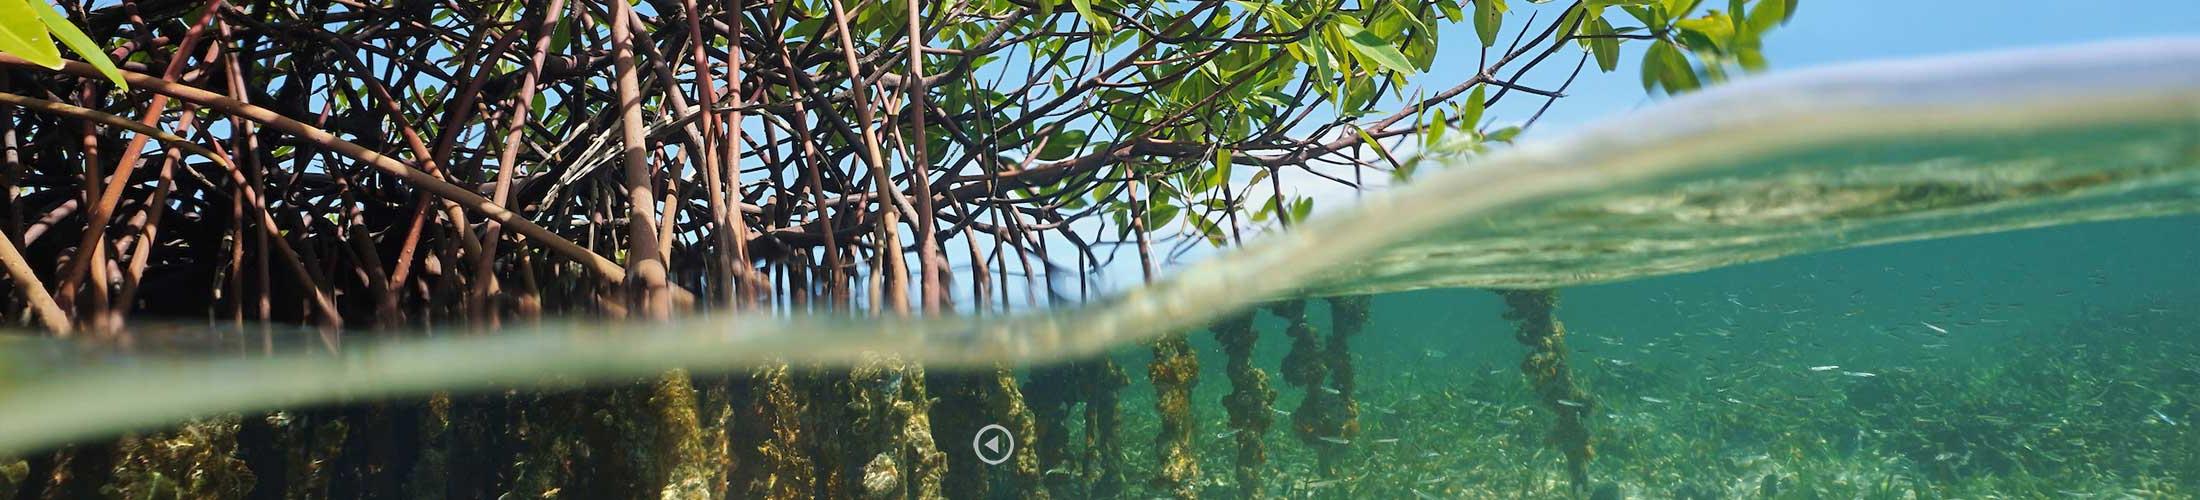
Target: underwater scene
pixel 2054 362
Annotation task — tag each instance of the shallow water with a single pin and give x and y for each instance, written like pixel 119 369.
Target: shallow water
pixel 2070 367
pixel 2061 356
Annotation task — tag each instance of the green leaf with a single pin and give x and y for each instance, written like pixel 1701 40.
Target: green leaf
pixel 1300 208
pixel 1676 9
pixel 1664 66
pixel 1569 24
pixel 1714 27
pixel 1084 8
pixel 1062 145
pixel 76 41
pixel 1437 124
pixel 1378 145
pixel 1161 215
pixel 1208 228
pixel 1046 8
pixel 1451 11
pixel 1605 48
pixel 1220 175
pixel 1769 13
pixel 1750 58
pixel 22 35
pixel 1121 213
pixel 1470 114
pixel 1489 17
pixel 1375 49
pixel 1404 172
pixel 1504 135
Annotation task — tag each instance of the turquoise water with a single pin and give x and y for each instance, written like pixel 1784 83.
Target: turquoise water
pixel 2070 367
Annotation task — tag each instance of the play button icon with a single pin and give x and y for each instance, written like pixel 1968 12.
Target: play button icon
pixel 993 444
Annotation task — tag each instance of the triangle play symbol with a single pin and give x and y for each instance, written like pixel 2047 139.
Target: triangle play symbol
pixel 993 444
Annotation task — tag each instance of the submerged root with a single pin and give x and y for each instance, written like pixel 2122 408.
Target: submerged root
pixel 1248 403
pixel 891 418
pixel 1103 387
pixel 1005 402
pixel 1328 418
pixel 1535 313
pixel 970 400
pixel 1174 370
pixel 769 437
pixel 196 460
pixel 1339 415
pixel 1051 394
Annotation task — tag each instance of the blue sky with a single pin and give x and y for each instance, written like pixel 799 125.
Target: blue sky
pixel 1836 31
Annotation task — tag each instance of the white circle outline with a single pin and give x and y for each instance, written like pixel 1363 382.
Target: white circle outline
pixel 979 447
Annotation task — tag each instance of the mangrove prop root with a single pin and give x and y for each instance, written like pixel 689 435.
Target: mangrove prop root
pixel 892 454
pixel 968 401
pixel 1175 369
pixel 1535 314
pixel 1248 403
pixel 1005 402
pixel 680 462
pixel 1302 366
pixel 770 436
pixel 1104 383
pixel 610 443
pixel 1321 418
pixel 1339 413
pixel 1051 395
pixel 195 460
pixel 959 413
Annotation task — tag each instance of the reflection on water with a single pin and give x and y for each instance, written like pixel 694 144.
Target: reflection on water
pixel 2055 362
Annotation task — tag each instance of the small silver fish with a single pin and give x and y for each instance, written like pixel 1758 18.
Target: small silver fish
pixel 1936 328
pixel 1648 399
pixel 1231 432
pixel 1335 440
pixel 1825 368
pixel 1434 354
pixel 1572 403
pixel 1860 374
pixel 1386 441
pixel 2164 417
pixel 1331 390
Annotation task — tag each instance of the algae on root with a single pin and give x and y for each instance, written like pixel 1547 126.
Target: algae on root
pixel 1248 404
pixel 1326 419
pixel 1175 369
pixel 1535 315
